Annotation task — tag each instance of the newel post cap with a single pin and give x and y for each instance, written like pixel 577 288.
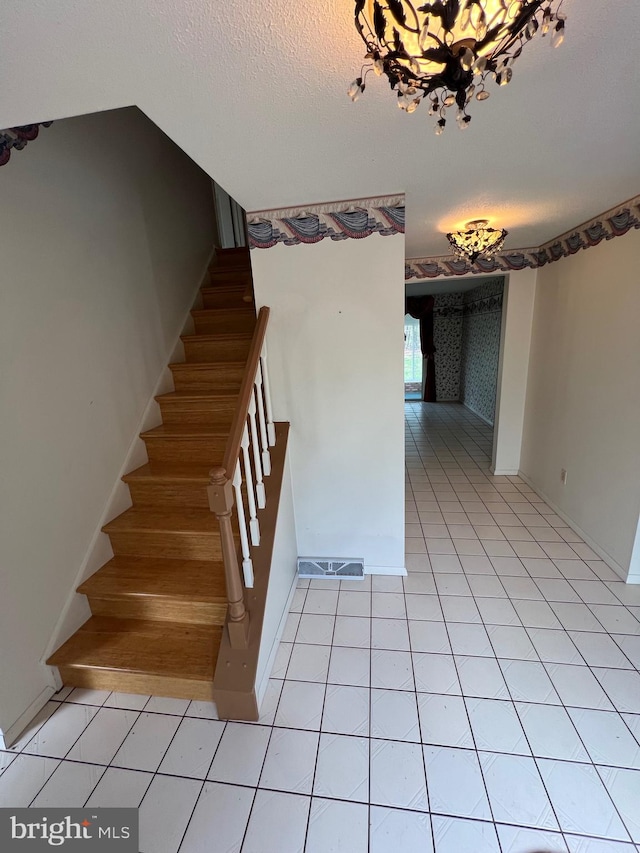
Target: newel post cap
pixel 220 491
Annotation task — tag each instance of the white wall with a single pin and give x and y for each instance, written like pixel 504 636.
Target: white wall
pixel 106 228
pixel 583 393
pixel 517 319
pixel 634 564
pixel 282 581
pixel 335 343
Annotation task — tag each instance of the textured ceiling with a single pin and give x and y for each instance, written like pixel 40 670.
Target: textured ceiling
pixel 255 92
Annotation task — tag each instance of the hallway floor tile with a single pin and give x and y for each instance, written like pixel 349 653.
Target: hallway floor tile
pixel 489 702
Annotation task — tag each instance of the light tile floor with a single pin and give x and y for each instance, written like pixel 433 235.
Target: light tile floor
pixel 489 702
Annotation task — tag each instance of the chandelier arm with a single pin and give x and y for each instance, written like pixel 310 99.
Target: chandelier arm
pixel 435 38
pixel 517 31
pixel 443 64
pixel 403 3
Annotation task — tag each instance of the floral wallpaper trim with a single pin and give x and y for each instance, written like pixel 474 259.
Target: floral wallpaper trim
pixel 612 223
pixel 338 220
pixel 17 138
pixel 484 299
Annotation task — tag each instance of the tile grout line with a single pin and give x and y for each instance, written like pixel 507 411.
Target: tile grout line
pixel 202 787
pixel 518 716
pixel 415 693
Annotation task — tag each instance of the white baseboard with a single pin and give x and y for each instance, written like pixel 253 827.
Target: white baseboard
pixel 76 609
pixel 505 472
pixel 608 559
pixel 396 571
pixel 261 688
pixel 10 736
pixel 478 415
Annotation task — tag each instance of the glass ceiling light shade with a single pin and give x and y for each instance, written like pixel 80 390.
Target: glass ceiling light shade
pixel 478 240
pixel 448 49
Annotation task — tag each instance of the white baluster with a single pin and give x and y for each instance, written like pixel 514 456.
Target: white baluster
pixel 254 526
pixel 247 565
pixel 264 441
pixel 255 444
pixel 271 429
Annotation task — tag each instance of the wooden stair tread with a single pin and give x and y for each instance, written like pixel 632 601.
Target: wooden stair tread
pixel 159 605
pixel 232 251
pixel 228 276
pixel 196 396
pixel 206 365
pixel 225 288
pixel 239 260
pixel 166 649
pixel 249 310
pixel 217 336
pixel 169 471
pixel 188 520
pixel 231 258
pixel 185 431
pixel 192 580
pixel 231 263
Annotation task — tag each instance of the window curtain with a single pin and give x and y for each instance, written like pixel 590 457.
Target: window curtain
pixel 421 308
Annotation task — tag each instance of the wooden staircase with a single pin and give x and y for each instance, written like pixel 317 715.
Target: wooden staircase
pixel 159 605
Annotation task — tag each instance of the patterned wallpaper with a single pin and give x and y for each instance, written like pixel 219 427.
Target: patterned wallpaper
pixel 447 337
pixel 480 349
pixel 466 332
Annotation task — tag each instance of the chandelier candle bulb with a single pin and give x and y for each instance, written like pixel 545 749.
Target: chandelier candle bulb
pixel 441 46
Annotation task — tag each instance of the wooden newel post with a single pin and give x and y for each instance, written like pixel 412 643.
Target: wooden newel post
pixel 220 492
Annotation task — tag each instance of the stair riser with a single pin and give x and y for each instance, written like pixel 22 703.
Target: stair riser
pixel 226 256
pixel 130 682
pixel 225 323
pixel 224 350
pixel 215 378
pixel 214 413
pixel 180 546
pixel 240 270
pixel 208 451
pixel 169 494
pixel 160 610
pixel 223 299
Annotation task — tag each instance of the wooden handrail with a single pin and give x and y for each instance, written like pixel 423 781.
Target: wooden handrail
pixel 221 487
pixel 232 451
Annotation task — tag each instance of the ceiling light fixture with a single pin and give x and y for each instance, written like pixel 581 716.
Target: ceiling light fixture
pixel 478 240
pixel 448 49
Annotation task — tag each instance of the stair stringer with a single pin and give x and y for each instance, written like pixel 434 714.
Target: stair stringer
pixel 76 610
pixel 242 675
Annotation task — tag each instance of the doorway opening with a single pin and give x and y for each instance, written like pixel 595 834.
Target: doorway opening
pixel 412 359
pixel 463 353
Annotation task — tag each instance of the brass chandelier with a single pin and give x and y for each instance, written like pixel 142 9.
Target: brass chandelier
pixel 447 50
pixel 478 240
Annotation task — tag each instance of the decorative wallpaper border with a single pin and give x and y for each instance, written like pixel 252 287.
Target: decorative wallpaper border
pixel 17 137
pixel 606 226
pixel 338 220
pixel 484 299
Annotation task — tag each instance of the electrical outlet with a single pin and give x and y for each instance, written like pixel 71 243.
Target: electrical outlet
pixel 563 476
